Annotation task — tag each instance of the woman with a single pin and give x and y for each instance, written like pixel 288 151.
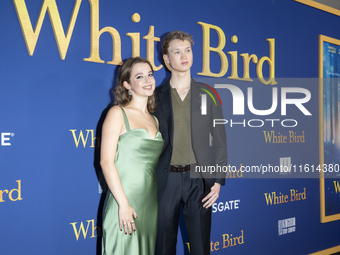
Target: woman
pixel 131 145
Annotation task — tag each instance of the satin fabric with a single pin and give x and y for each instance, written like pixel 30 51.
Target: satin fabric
pixel 136 160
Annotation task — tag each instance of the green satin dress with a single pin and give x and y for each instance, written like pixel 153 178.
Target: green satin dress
pixel 136 160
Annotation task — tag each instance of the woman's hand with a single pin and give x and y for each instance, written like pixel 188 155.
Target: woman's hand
pixel 126 218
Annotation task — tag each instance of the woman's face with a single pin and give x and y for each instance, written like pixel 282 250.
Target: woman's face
pixel 142 83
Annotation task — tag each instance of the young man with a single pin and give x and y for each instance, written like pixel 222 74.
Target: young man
pixel 186 133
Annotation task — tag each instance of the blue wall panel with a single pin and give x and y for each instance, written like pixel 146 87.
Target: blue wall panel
pixel 46 102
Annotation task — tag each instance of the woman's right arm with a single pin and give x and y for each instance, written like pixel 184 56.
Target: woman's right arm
pixel 112 129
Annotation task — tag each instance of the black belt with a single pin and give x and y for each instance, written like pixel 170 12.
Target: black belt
pixel 181 168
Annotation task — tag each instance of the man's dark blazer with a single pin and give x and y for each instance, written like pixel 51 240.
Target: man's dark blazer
pixel 201 126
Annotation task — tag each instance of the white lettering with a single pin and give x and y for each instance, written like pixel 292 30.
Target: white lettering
pixel 297 101
pixel 4 139
pixel 228 205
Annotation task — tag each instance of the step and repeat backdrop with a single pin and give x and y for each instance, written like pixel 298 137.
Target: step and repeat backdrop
pixel 275 66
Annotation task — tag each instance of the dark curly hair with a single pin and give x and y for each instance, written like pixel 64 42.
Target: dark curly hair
pixel 122 98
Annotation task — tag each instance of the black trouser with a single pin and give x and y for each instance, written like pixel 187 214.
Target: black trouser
pixel 182 191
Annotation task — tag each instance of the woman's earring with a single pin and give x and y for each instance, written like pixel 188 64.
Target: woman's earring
pixel 130 92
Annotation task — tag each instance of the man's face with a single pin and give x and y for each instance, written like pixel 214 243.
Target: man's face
pixel 179 55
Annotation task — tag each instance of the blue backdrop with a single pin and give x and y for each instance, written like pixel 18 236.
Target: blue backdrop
pixel 55 87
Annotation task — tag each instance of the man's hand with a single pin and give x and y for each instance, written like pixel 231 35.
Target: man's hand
pixel 212 196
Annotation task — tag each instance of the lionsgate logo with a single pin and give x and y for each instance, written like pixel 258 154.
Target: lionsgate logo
pixel 286 226
pixel 6 139
pixel 225 206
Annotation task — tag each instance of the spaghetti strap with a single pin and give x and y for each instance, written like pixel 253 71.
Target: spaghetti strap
pixel 155 121
pixel 126 121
